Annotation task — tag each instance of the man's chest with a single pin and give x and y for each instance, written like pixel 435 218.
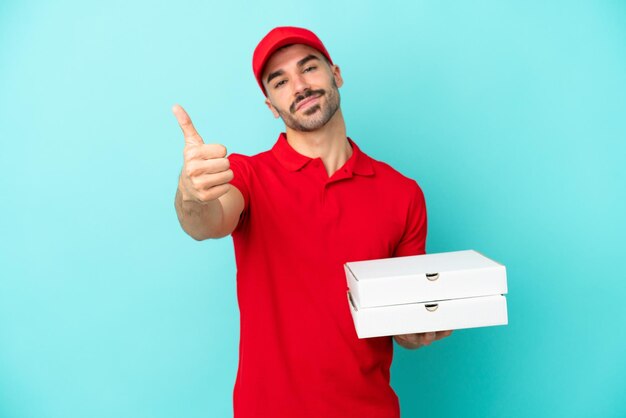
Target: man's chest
pixel 351 220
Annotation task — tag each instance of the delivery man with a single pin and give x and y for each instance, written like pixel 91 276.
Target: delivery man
pixel 297 213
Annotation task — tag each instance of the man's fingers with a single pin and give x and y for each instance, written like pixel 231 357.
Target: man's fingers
pixel 208 181
pixel 214 192
pixel 414 339
pixel 421 339
pixel 205 152
pixel 411 339
pixel 192 137
pixel 442 334
pixel 428 337
pixel 200 167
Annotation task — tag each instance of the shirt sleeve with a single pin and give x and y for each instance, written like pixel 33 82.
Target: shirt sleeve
pixel 240 165
pixel 413 241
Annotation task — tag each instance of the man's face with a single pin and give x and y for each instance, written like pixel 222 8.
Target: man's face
pixel 302 88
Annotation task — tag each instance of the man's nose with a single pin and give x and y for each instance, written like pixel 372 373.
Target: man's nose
pixel 300 85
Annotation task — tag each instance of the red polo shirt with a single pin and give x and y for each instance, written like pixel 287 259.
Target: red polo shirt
pixel 299 355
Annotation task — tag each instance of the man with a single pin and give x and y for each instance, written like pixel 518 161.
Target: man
pixel 297 213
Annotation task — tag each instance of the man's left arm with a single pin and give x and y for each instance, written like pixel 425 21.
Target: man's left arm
pixel 413 242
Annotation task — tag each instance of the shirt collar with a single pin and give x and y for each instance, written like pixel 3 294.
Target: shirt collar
pixel 292 160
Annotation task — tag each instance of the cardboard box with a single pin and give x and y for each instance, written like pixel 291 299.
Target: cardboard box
pixel 431 292
pixel 426 317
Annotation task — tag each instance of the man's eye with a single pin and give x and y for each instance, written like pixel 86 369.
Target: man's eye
pixel 280 83
pixel 311 68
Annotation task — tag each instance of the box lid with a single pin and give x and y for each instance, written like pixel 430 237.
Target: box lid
pixel 424 278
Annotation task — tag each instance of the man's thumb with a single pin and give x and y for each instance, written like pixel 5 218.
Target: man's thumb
pixel 192 137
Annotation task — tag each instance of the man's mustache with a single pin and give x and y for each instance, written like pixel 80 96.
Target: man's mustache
pixel 306 95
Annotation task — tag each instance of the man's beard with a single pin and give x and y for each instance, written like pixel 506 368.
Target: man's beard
pixel 315 116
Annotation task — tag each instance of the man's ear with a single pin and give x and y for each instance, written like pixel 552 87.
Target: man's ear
pixel 337 74
pixel 272 108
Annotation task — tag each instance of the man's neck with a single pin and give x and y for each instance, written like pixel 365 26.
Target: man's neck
pixel 329 143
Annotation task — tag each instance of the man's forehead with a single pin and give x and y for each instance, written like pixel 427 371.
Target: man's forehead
pixel 288 53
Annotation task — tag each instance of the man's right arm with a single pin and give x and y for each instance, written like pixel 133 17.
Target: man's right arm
pixel 206 204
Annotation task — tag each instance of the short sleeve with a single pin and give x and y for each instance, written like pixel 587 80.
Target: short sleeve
pixel 413 241
pixel 240 165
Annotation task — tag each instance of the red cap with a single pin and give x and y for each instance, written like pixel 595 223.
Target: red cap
pixel 277 38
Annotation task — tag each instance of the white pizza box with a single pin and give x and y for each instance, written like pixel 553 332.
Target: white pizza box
pixel 424 278
pixel 443 315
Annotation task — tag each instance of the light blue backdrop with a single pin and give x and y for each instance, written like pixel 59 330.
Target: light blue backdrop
pixel 511 116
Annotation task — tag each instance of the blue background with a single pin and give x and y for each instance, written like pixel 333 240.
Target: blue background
pixel 510 115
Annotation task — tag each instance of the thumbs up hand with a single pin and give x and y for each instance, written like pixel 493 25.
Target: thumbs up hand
pixel 206 170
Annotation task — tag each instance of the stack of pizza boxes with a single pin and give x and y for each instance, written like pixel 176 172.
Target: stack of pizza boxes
pixel 424 293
